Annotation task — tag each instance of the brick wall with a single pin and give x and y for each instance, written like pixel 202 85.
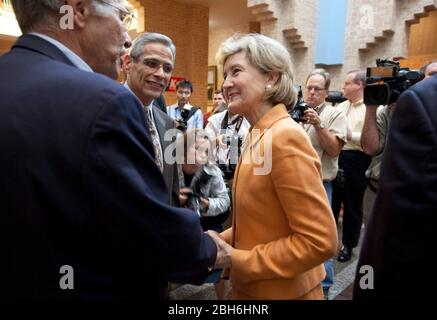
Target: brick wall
pixel 188 27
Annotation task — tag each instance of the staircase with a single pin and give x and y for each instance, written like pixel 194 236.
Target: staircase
pixel 294 38
pixel 419 9
pixel 261 10
pixel 298 32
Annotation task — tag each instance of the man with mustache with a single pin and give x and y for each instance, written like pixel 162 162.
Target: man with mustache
pixel 149 67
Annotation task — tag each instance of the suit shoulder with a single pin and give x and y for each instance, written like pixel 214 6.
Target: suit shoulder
pixel 167 119
pixel 426 90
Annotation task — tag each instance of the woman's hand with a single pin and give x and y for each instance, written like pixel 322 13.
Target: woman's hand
pixel 219 142
pixel 204 204
pixel 183 196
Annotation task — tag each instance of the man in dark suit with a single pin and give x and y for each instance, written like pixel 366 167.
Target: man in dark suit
pixel 149 67
pixel 398 248
pixel 84 209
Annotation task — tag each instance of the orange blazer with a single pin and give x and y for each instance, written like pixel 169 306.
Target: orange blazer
pixel 283 228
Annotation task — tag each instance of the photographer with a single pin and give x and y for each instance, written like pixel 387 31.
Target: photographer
pixel 326 127
pixel 203 189
pixel 187 117
pixel 229 131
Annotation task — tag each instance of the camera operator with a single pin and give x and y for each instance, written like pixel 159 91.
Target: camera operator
pixel 187 117
pixel 373 141
pixel 326 127
pixel 382 90
pixel 349 186
pixel 399 242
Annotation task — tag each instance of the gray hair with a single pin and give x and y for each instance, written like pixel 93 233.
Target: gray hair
pixel 426 65
pixel 321 72
pixel 31 13
pixel 359 76
pixel 268 56
pixel 150 37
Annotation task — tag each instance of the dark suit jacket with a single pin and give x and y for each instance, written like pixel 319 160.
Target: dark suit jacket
pixel 163 123
pixel 400 240
pixel 78 187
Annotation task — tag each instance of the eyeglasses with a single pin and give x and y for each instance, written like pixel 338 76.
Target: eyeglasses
pixel 155 65
pixel 126 16
pixel 316 89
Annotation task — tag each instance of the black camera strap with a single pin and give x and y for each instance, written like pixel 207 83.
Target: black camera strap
pixel 238 121
pixel 320 109
pixel 193 110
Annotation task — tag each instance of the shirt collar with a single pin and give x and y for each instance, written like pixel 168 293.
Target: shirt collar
pixel 359 102
pixel 74 58
pixel 319 106
pixel 148 107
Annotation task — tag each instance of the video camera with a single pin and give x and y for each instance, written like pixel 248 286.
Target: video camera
pixel 299 108
pixel 386 82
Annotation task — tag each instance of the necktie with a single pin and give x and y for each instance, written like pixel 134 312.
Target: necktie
pixel 155 139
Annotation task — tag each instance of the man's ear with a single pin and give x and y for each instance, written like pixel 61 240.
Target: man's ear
pixel 82 10
pixel 127 63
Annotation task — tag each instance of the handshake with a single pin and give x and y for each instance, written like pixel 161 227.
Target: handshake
pixel 224 251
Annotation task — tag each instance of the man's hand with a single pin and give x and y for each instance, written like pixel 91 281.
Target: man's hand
pixel 224 251
pixel 311 117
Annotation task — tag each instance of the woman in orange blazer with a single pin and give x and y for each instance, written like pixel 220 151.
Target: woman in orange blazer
pixel 283 228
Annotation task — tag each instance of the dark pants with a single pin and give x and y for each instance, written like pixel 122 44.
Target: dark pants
pixel 354 165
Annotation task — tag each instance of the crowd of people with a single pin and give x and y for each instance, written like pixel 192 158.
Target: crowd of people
pixel 135 195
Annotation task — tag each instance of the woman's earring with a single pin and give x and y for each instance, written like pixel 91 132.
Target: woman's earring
pixel 269 87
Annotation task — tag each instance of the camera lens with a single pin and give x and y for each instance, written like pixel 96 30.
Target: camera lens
pixel 376 94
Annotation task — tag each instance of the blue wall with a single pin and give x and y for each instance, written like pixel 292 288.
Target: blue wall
pixel 331 29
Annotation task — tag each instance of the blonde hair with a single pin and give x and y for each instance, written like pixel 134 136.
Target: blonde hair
pixel 268 56
pixel 188 139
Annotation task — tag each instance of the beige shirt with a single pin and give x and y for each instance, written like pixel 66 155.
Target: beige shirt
pixel 382 122
pixel 355 114
pixel 335 121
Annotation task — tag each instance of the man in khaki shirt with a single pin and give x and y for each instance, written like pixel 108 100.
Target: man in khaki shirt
pixel 350 185
pixel 326 127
